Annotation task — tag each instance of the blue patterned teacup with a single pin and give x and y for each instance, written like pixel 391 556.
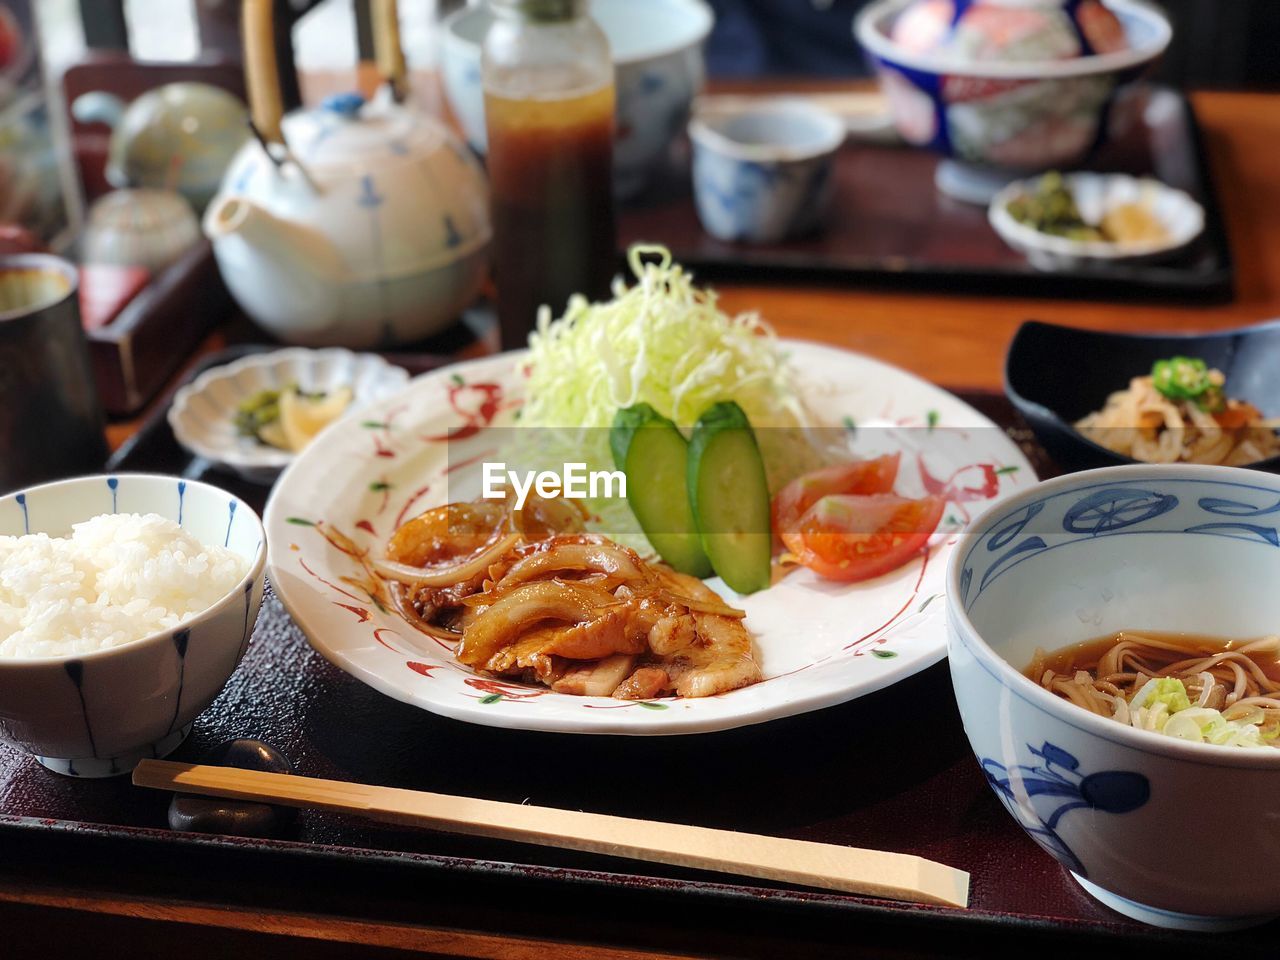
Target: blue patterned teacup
pixel 1154 827
pixel 764 174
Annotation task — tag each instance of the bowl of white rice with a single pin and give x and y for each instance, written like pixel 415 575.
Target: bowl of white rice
pixel 125 604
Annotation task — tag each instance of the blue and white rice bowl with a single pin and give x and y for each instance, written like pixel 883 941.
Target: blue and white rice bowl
pixel 1158 828
pixel 97 713
pixel 764 174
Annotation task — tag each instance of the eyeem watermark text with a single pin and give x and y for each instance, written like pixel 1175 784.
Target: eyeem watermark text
pixel 574 482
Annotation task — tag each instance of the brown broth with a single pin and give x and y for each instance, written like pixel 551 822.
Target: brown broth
pixel 1086 654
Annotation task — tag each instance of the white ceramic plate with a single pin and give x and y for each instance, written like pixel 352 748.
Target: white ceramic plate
pixel 1095 194
pixel 820 643
pixel 203 412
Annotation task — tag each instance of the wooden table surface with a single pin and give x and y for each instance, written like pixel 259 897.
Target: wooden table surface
pixel 955 340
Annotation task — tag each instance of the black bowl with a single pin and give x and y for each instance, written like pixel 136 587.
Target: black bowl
pixel 1055 375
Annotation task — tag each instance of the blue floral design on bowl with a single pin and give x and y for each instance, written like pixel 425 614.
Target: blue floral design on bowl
pixel 1040 793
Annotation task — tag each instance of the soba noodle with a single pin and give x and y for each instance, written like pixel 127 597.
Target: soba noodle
pixel 1194 688
pixel 1144 424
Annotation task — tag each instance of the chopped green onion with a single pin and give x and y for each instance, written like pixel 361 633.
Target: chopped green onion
pixel 1163 706
pixel 1171 692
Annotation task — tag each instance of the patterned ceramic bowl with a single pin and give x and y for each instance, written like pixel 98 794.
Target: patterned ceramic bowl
pixel 140 228
pixel 177 136
pixel 97 714
pixel 203 412
pixel 1153 826
pixel 764 174
pixel 1012 115
pixel 657 53
pixel 1096 193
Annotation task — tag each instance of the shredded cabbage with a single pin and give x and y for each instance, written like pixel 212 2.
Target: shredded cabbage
pixel 664 342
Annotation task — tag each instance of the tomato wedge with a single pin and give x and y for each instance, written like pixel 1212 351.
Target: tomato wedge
pixel 851 537
pixel 859 477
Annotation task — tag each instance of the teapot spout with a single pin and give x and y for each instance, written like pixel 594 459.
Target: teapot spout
pixel 286 276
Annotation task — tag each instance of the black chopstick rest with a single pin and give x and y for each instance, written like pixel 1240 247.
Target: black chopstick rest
pixel 240 818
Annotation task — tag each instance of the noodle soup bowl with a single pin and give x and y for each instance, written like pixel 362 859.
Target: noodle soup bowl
pixel 1171 548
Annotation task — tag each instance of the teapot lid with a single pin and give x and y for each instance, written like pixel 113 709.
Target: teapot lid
pixel 345 127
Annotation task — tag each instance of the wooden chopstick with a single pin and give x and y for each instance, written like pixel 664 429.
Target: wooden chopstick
pixel 872 873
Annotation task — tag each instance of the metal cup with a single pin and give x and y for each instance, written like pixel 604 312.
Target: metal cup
pixel 51 423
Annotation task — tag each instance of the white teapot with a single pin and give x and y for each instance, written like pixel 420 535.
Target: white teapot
pixel 355 224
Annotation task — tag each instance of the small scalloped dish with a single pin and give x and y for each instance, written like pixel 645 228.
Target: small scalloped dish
pixel 1096 194
pixel 203 413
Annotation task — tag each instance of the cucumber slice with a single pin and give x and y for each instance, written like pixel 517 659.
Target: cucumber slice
pixel 730 497
pixel 653 454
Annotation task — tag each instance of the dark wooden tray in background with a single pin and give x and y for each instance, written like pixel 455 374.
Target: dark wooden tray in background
pixel 889 225
pixel 892 771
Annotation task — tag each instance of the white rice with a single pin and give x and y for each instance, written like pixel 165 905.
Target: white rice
pixel 117 578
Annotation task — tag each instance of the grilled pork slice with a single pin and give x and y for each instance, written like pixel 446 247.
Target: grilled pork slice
pixel 714 657
pixel 614 631
pixel 645 684
pixel 598 679
pixel 589 634
pixel 526 607
pixel 721 660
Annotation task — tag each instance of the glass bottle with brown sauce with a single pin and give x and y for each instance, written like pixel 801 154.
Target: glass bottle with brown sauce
pixel 549 108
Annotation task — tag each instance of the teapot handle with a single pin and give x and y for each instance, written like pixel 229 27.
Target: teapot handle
pixel 387 47
pixel 262 70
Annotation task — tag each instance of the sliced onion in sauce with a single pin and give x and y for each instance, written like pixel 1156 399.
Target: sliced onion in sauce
pixel 702 606
pixel 442 575
pixel 543 517
pixel 437 632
